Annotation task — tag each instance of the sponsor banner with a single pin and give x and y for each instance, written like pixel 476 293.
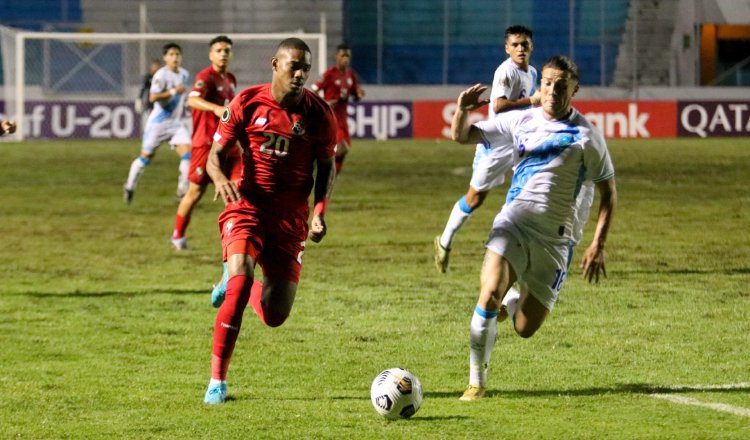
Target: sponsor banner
pixel 631 119
pixel 713 118
pixel 90 120
pixel 616 119
pixel 380 119
pixel 432 119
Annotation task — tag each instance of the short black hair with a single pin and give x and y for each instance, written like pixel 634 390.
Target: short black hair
pixel 518 29
pixel 343 46
pixel 168 46
pixel 293 43
pixel 563 63
pixel 221 39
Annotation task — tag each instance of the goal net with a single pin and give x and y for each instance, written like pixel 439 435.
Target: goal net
pixel 84 85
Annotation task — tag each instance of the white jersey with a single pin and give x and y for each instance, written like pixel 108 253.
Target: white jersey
pixel 511 82
pixel 173 109
pixel 554 159
pixel 491 164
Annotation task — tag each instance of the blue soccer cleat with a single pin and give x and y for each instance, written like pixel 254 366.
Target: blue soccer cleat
pixel 216 393
pixel 220 290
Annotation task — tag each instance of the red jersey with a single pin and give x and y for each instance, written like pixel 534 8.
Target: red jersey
pixel 338 85
pixel 214 88
pixel 280 145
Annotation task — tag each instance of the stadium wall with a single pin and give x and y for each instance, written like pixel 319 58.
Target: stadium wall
pixel 426 112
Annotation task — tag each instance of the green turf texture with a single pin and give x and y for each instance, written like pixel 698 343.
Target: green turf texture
pixel 106 331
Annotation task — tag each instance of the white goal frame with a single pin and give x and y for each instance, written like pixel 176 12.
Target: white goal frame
pixel 22 36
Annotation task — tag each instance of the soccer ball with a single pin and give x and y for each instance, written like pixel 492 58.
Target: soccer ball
pixel 396 394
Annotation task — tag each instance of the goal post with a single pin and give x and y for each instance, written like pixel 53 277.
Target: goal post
pixel 78 84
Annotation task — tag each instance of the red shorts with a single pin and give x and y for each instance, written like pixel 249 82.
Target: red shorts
pixel 342 133
pixel 272 234
pixel 199 158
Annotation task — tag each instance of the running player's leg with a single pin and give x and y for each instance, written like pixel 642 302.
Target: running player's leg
pixel 198 182
pixel 496 277
pixel 544 278
pixel 343 144
pixel 485 176
pixel 234 171
pixel 154 135
pixel 242 244
pixel 282 265
pixel 180 142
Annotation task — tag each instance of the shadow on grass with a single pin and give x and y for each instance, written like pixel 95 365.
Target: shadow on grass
pixel 124 294
pixel 603 391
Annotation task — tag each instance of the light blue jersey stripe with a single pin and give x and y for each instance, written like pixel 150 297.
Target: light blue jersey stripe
pixel 539 157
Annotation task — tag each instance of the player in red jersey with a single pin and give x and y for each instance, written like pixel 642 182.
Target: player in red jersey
pixel 213 89
pixel 336 86
pixel 285 131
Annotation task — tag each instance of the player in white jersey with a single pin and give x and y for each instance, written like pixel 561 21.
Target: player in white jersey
pixel 166 122
pixel 513 88
pixel 532 237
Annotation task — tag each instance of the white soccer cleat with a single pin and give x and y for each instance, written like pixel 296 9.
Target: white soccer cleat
pixel 179 244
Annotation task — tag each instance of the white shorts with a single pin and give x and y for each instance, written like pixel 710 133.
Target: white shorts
pixel 176 132
pixel 539 263
pixel 489 167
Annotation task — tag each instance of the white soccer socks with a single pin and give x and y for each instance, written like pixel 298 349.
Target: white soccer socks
pixel 511 301
pixel 182 180
pixel 460 213
pixel 136 169
pixel 482 340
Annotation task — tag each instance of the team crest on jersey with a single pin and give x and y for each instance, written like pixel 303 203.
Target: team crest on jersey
pixel 260 120
pixel 298 129
pixel 506 82
pixel 199 84
pixel 225 115
pixel 199 171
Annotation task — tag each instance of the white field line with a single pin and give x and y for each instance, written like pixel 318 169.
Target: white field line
pixel 682 400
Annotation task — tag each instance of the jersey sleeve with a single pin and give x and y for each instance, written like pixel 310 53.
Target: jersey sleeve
pixel 158 82
pixel 498 131
pixel 230 124
pixel 201 86
pixel 596 158
pixel 502 84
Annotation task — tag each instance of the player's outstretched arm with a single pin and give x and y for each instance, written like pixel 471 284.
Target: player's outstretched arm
pixel 593 258
pixel 200 104
pixel 503 105
pixel 468 100
pixel 324 179
pixel 225 188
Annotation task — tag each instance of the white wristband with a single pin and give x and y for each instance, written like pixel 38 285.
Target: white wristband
pixel 172 92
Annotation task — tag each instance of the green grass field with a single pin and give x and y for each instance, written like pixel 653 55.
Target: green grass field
pixel 106 331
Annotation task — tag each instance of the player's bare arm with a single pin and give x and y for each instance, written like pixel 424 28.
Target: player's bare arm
pixel 225 188
pixel 7 126
pixel 592 262
pixel 324 179
pixel 198 103
pixel 468 100
pixel 503 104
